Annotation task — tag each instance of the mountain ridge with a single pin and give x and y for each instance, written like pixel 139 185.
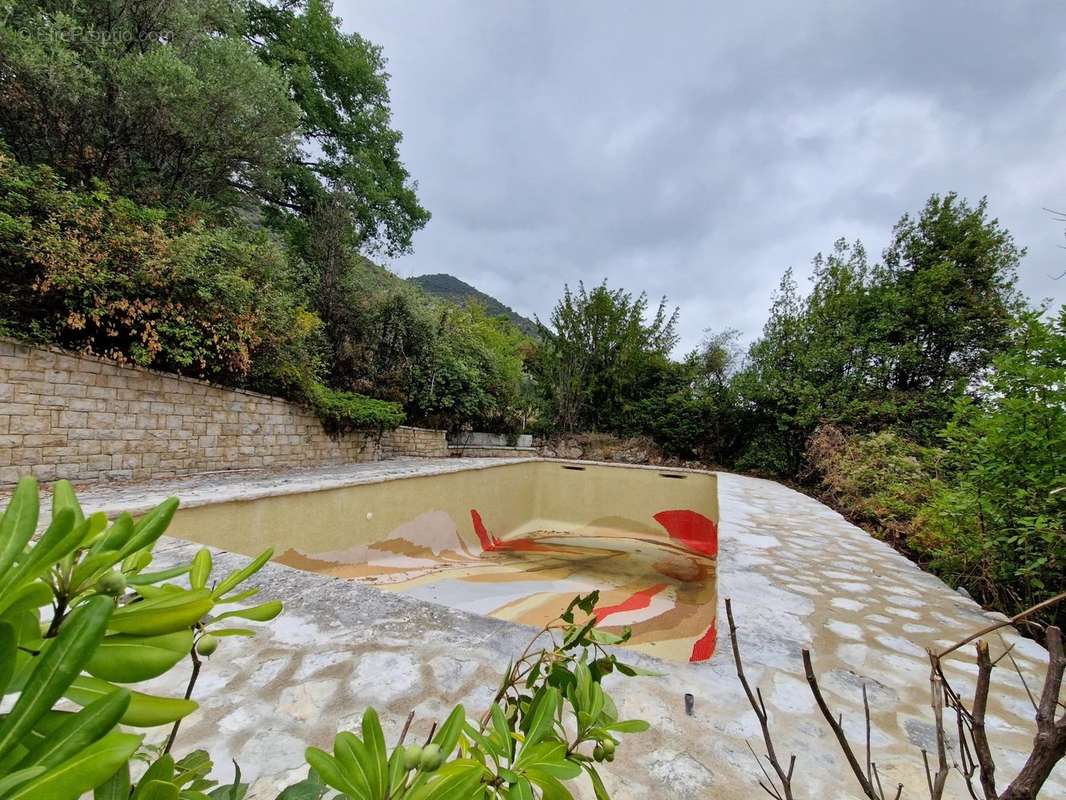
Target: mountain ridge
pixel 448 287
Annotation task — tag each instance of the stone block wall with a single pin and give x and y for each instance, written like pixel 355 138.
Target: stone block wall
pixel 493 452
pixel 64 415
pixel 406 441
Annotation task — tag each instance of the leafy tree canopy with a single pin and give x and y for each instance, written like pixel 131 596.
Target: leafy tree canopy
pixel 596 348
pixel 339 82
pixel 894 343
pixel 217 102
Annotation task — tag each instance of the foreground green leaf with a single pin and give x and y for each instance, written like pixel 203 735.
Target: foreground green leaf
pixel 144 711
pixel 128 658
pixel 83 772
pixel 57 667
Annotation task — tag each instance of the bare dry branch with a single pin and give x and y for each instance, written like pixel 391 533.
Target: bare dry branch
pixel 975 756
pixel 866 713
pixel 936 687
pixel 1049 745
pixel 406 727
pixel 981 748
pixel 759 707
pixel 1021 677
pixel 1013 620
pixel 845 746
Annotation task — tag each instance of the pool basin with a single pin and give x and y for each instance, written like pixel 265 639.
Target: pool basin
pixel 515 541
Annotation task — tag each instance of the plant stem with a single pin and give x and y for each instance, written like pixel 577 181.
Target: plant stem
pixel 196 664
pixel 57 616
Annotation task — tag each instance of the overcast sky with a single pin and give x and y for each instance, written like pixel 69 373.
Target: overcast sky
pixel 696 150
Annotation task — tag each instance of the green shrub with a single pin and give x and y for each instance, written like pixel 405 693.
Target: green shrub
pixel 551 721
pixel 98 273
pixel 880 481
pixel 347 411
pixel 998 526
pixel 79 614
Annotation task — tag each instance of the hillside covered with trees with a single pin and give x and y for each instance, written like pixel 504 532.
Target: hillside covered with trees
pixel 202 188
pixel 448 287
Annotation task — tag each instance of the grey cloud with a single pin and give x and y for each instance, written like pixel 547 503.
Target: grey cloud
pixel 696 150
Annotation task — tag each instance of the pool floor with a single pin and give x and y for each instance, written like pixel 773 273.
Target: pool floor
pixel 663 588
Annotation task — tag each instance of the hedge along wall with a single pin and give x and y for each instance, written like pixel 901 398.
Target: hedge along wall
pixel 83 418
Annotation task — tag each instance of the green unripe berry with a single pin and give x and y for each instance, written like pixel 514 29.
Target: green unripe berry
pixel 206 645
pixel 597 752
pixel 411 755
pixel 112 583
pixel 610 757
pixel 431 758
pixel 608 747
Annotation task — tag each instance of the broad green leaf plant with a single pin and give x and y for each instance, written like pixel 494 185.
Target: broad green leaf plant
pixel 82 622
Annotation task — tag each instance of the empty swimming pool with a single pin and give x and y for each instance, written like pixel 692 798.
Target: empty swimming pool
pixel 515 541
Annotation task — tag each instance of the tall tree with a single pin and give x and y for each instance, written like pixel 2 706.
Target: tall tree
pixel 219 102
pixel 946 303
pixel 597 348
pixel 164 101
pixel 892 345
pixel 999 525
pixel 339 82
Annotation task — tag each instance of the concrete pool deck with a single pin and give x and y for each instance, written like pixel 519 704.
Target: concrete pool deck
pixel 799 576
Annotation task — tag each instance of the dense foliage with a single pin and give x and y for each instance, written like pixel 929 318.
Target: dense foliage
pixel 82 622
pixel 346 411
pixel 194 187
pixel 598 353
pixel 997 527
pixel 96 272
pixel 461 293
pixel 82 619
pixel 550 722
pixel 891 344
pixel 917 394
pixel 218 103
pixel 881 480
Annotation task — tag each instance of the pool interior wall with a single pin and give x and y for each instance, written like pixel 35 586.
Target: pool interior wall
pixel 515 541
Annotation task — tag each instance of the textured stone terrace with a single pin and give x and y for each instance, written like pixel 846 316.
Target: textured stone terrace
pixel 249 484
pixel 798 573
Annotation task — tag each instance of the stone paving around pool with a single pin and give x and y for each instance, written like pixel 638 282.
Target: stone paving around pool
pixel 799 576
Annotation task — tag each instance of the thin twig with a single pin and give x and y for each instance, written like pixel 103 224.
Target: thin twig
pixel 866 713
pixel 432 730
pixel 406 727
pixel 196 664
pixel 1025 683
pixel 1049 746
pixel 1016 618
pixel 772 789
pixel 877 778
pixel 838 730
pixel 759 707
pixel 936 688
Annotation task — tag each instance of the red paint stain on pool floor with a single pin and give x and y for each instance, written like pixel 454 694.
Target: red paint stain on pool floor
pixel 655 577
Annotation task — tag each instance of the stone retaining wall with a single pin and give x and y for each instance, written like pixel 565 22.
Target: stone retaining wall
pixel 423 442
pixel 471 451
pixel 87 419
